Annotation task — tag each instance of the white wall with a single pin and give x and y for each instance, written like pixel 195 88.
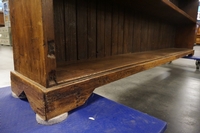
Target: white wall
pixel 1 5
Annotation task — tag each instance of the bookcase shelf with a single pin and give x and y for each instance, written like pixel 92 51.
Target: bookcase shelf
pixel 164 9
pixel 178 14
pixel 119 63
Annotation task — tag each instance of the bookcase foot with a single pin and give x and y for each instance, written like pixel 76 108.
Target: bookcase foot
pixel 14 95
pixel 50 104
pixel 51 121
pixel 21 96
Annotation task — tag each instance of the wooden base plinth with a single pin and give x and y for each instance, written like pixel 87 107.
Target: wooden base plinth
pixel 14 95
pixel 22 96
pixel 51 102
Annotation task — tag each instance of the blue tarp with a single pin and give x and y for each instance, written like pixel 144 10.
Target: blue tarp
pixel 98 115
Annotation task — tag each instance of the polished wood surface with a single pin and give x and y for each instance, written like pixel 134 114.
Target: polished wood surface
pixel 74 92
pixel 33 91
pixel 48 43
pixel 63 50
pixel 185 35
pixel 1 19
pixel 116 29
pixel 28 39
pixel 158 8
pixel 186 7
pixel 88 69
pixel 113 29
pixel 183 11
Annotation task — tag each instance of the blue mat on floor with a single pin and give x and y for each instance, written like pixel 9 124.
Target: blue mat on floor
pixel 192 57
pixel 16 116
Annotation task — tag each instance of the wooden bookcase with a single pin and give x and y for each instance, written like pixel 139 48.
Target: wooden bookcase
pixel 63 50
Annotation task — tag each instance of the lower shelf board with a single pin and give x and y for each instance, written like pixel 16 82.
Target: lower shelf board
pixel 76 82
pixel 92 68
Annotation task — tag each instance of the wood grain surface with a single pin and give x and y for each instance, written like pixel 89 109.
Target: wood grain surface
pixel 88 69
pixel 77 82
pixel 63 50
pixel 28 39
pixel 99 29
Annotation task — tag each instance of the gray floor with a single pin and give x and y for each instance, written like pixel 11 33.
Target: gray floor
pixel 170 92
pixel 6 65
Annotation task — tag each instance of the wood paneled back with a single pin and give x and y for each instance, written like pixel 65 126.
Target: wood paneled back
pixel 88 29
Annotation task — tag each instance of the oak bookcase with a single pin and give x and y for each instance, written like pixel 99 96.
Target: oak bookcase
pixel 64 49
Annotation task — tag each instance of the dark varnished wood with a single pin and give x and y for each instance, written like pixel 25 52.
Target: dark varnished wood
pixel 77 82
pixel 102 29
pixel 186 6
pixel 95 67
pixel 29 42
pixel 63 49
pixel 82 39
pixel 115 19
pixel 59 16
pixel 33 91
pixel 108 29
pixel 92 30
pixel 128 32
pixel 120 38
pixel 1 19
pixel 70 31
pixel 182 14
pixel 49 47
pixel 158 8
pixel 189 36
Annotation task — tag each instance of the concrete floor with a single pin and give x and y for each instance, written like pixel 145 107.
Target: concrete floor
pixel 6 65
pixel 170 92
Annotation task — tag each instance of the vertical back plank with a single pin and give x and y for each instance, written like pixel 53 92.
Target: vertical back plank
pixel 131 33
pixel 150 35
pixel 108 28
pixel 70 30
pixel 137 33
pixel 144 34
pixel 168 36
pixel 128 32
pixel 82 29
pixel 100 29
pixel 173 38
pixel 162 44
pixel 115 19
pixel 165 36
pixel 92 32
pixel 59 28
pixel 121 30
pixel 155 37
pixel 188 31
pixel 160 36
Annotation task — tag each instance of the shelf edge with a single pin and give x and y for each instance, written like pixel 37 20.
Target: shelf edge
pixel 176 8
